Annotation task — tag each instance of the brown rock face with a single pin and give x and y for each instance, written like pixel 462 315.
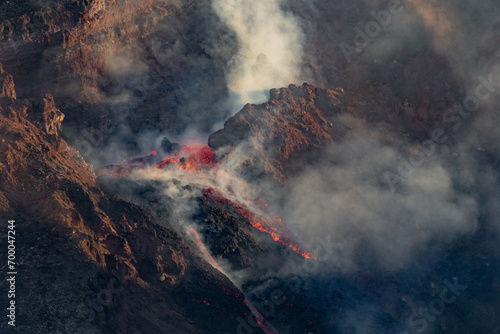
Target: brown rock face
pixel 52 116
pixel 277 138
pixel 6 85
pixel 47 117
pixel 294 120
pixel 81 37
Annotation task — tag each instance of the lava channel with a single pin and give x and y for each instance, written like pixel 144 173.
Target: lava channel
pixel 277 229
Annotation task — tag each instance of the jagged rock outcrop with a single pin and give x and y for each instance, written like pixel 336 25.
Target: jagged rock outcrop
pixel 294 120
pixel 47 116
pixel 279 137
pixel 6 85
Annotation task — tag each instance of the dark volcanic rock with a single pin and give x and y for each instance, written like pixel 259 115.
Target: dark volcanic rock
pixel 89 261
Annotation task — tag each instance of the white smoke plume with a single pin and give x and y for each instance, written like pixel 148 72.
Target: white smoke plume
pixel 270 47
pixel 219 178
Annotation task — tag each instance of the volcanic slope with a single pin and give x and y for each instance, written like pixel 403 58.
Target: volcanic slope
pixel 88 260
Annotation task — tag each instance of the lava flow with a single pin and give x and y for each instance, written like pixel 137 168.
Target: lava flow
pixel 192 157
pixel 199 158
pixel 189 157
pixel 264 325
pixel 202 247
pixel 259 319
pixel 277 229
pixel 196 158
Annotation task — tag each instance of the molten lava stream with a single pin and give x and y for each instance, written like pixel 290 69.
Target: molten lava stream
pixel 282 234
pixel 264 325
pixel 199 157
pixel 202 247
pixel 190 157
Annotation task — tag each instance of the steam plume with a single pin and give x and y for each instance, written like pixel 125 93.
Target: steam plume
pixel 270 47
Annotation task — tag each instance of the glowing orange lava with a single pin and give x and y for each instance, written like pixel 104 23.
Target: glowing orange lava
pixel 199 157
pixel 202 247
pixel 278 230
pixel 266 327
pixel 190 157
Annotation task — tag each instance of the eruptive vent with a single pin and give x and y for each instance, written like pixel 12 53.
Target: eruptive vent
pixel 199 159
pixel 190 157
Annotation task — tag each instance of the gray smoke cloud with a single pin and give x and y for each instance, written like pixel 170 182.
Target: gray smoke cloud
pixel 467 34
pixel 346 196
